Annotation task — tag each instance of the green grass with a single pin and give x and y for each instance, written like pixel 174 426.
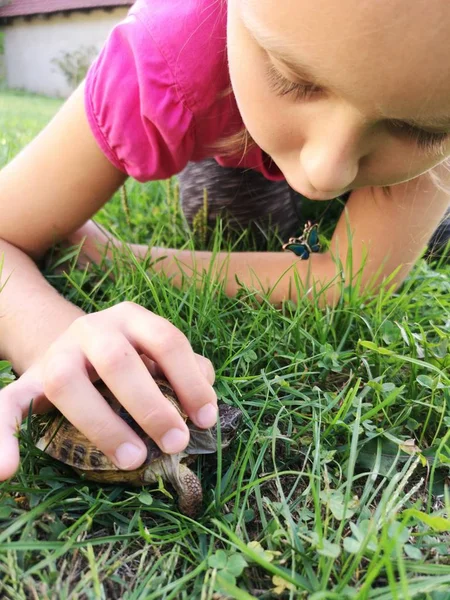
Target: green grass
pixel 317 494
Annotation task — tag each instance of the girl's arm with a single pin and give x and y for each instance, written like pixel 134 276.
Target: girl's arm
pixel 55 183
pixel 48 190
pixel 387 231
pixel 392 228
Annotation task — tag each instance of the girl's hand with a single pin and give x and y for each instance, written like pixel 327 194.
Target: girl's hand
pixel 97 243
pixel 121 345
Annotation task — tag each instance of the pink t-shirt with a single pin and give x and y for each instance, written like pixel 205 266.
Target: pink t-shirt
pixel 155 95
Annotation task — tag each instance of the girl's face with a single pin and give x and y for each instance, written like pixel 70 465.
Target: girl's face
pixel 345 94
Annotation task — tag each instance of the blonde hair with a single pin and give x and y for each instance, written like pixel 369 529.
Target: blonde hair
pixel 232 145
pixel 239 143
pixel 437 179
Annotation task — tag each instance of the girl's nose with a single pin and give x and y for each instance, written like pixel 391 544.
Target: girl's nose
pixel 327 169
pixel 330 156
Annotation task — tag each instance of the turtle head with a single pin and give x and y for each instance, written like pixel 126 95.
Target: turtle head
pixel 230 418
pixel 204 441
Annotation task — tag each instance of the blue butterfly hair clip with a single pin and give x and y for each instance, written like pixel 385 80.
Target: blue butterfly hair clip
pixel 307 243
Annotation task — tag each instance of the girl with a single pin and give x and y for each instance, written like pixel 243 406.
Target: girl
pixel 334 98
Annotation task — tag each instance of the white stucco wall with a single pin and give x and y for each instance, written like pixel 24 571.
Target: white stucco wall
pixel 31 45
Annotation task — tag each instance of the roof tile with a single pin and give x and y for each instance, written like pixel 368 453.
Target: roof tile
pixel 24 8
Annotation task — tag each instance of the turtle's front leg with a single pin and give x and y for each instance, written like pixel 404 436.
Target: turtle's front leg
pixel 185 482
pixel 189 488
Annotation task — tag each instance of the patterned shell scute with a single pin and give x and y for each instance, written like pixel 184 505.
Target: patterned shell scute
pixel 65 443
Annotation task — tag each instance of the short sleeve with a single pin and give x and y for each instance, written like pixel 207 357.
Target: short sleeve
pixel 135 108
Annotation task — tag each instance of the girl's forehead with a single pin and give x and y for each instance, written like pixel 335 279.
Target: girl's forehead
pixel 359 16
pixel 393 53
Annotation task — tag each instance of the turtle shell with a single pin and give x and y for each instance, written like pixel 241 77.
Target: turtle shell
pixel 63 441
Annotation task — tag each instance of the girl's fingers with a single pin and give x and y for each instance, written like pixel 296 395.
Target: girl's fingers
pixel 204 363
pixel 170 349
pixel 14 404
pixel 10 419
pixel 67 384
pixel 206 368
pixel 123 371
pixel 159 340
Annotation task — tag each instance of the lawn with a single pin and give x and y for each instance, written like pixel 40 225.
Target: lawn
pixel 336 486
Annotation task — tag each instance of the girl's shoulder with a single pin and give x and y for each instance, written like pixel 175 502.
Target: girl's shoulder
pixel 155 94
pixel 191 35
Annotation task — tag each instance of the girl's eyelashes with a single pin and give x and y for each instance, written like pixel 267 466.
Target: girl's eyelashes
pixel 429 142
pixel 283 87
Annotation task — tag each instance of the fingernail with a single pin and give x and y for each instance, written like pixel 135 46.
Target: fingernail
pixel 128 454
pixel 207 415
pixel 174 440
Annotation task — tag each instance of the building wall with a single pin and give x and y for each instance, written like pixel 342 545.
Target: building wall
pixel 2 68
pixel 31 46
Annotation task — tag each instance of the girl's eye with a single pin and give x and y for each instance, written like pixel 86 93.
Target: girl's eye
pixel 283 87
pixel 429 142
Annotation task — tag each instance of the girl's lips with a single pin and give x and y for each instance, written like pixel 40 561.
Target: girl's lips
pixel 313 194
pixel 316 195
pixel 320 195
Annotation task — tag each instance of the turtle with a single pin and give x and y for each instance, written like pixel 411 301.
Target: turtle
pixel 61 440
